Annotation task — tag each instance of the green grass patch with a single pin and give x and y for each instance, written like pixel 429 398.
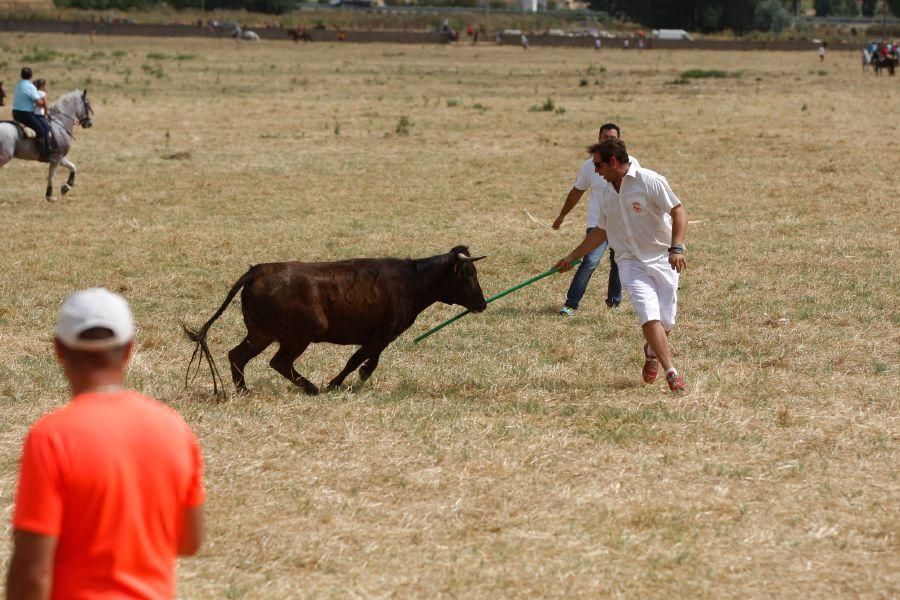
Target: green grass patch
pixel 547 106
pixel 156 71
pixel 39 55
pixel 709 74
pixel 403 125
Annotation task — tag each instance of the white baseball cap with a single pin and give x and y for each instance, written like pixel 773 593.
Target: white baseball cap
pixel 96 307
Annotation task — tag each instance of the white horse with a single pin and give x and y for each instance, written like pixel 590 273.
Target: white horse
pixel 70 110
pixel 240 33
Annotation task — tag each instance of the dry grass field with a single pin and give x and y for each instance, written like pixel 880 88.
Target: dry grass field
pixel 515 453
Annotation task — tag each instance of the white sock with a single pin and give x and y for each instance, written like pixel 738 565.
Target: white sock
pixel 671 371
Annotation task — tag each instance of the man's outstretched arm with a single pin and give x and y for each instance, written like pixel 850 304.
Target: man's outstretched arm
pixel 571 200
pixel 591 242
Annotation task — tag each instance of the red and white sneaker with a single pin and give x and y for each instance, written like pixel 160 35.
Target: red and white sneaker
pixel 651 366
pixel 676 383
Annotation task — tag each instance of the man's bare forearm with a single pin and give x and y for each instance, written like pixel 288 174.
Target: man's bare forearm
pixel 679 224
pixel 591 242
pixel 31 568
pixel 572 199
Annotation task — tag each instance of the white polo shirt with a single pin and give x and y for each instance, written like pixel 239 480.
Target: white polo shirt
pixel 589 179
pixel 636 218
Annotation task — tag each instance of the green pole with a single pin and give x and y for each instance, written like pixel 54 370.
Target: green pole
pixel 491 299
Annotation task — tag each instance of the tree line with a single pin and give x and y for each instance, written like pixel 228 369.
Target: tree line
pixel 738 15
pixel 696 15
pixel 261 6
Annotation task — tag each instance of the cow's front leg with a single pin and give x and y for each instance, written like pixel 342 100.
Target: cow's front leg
pixel 369 367
pixel 357 359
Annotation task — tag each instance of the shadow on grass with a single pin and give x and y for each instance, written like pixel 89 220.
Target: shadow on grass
pixel 624 383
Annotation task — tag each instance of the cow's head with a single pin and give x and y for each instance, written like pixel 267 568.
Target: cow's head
pixel 463 288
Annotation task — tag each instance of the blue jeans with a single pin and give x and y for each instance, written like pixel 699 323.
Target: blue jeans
pixel 586 270
pixel 29 119
pixel 41 128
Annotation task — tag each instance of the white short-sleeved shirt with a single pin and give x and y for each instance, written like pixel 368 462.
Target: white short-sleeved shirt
pixel 589 179
pixel 39 110
pixel 636 218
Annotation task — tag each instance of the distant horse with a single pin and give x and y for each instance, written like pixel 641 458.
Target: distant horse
pixel 299 34
pixel 866 59
pixel 880 61
pixel 240 33
pixel 71 109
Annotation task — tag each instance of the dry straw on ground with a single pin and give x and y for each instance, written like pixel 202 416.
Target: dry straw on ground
pixel 514 454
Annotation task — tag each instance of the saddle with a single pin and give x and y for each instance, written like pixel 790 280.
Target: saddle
pixel 25 132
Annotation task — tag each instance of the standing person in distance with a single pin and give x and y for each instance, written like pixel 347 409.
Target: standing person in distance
pixel 588 179
pixel 110 487
pixel 646 223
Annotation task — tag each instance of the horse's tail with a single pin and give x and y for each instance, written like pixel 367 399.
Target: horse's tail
pixel 198 337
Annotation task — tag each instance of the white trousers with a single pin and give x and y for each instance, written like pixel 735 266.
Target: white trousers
pixel 652 289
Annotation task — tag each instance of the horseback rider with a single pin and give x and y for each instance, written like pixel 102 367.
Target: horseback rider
pixel 25 98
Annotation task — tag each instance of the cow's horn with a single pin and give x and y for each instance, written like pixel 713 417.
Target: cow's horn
pixel 465 258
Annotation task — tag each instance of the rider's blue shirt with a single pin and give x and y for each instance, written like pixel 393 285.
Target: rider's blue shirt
pixel 24 96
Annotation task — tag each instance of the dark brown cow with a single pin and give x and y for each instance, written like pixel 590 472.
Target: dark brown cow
pixel 367 302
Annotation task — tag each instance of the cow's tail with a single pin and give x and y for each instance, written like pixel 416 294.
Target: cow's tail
pixel 198 337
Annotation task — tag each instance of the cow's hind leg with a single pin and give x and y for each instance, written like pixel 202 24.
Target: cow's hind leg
pixel 283 362
pixel 240 355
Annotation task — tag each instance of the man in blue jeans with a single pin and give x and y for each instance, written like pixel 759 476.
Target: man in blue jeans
pixel 25 98
pixel 588 179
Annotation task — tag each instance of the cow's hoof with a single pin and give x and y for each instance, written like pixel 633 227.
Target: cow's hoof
pixel 65 189
pixel 311 390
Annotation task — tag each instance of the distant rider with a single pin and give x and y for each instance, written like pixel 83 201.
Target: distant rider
pixel 25 99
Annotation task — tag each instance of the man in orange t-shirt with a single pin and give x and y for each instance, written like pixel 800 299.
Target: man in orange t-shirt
pixel 110 489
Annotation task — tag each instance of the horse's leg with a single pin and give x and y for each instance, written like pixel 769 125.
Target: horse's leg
pixel 70 182
pixel 50 173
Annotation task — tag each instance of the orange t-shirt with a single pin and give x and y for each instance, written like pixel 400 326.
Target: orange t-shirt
pixel 110 476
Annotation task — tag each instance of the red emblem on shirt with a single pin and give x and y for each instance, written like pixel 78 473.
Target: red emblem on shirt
pixel 636 207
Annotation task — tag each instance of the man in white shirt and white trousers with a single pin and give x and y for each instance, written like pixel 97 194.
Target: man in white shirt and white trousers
pixel 645 223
